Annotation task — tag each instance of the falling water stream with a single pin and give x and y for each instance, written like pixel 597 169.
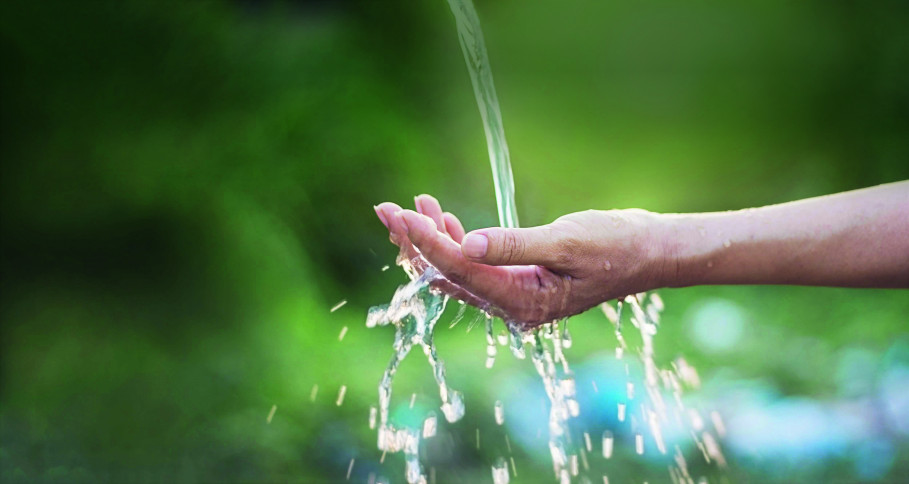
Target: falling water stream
pixel 416 308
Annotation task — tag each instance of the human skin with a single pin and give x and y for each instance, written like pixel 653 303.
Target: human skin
pixel 539 274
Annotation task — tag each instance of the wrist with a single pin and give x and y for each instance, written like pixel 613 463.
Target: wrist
pixel 667 242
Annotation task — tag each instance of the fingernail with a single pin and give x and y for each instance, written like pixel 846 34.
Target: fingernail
pixel 474 245
pixel 400 215
pixel 381 215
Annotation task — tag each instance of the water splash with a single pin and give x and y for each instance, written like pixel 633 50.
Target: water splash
pixel 661 401
pixel 414 311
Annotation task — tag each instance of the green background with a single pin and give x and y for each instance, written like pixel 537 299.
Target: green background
pixel 187 189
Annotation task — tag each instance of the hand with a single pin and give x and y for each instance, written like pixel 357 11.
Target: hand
pixel 533 275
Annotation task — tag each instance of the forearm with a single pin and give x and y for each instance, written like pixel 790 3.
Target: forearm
pixel 855 239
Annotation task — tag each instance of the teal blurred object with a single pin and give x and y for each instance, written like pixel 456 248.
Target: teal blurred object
pixel 186 191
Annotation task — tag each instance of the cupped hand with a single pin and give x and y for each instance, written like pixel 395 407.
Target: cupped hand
pixel 531 275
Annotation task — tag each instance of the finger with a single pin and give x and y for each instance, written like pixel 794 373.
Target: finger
pixel 499 246
pixel 487 282
pixel 380 212
pixel 429 206
pixel 453 227
pixel 396 230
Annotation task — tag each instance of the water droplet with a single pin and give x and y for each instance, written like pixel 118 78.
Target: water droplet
pixel 500 472
pixel 607 444
pixel 413 399
pixel 639 444
pixel 499 412
pixel 341 393
pixel 629 387
pixel 718 423
pixel 621 412
pixel 385 267
pixel 619 352
pixel 271 414
pixel 587 442
pixel 350 468
pixel 372 416
pixel 607 265
pixel 343 332
pixel 429 425
pixel 611 314
pixel 709 263
pixel 517 344
pixel 502 338
pixel 454 408
pixel 338 306
pixel 564 477
pixel 573 464
pixel 312 394
pixel 727 243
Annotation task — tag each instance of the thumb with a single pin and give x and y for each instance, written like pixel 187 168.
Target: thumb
pixel 499 246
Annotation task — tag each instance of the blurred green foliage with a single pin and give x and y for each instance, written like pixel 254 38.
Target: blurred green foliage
pixel 187 190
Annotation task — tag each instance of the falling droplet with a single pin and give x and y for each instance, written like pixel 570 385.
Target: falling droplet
pixel 350 468
pixel 718 423
pixel 500 472
pixel 611 314
pixel 338 306
pixel 341 393
pixel 499 412
pixel 502 338
pixel 429 425
pixel 454 407
pixel 587 442
pixel 629 387
pixel 373 411
pixel 413 399
pixel 639 444
pixel 607 444
pixel 517 342
pixel 385 267
pixel 727 243
pixel 343 332
pixel 271 414
pixel 621 412
pixel 619 352
pixel 312 394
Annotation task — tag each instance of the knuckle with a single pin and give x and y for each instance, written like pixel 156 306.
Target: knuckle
pixel 459 276
pixel 513 248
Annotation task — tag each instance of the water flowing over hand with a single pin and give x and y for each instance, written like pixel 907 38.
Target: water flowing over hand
pixel 531 275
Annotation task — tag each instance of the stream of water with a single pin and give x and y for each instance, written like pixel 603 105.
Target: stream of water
pixel 416 308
